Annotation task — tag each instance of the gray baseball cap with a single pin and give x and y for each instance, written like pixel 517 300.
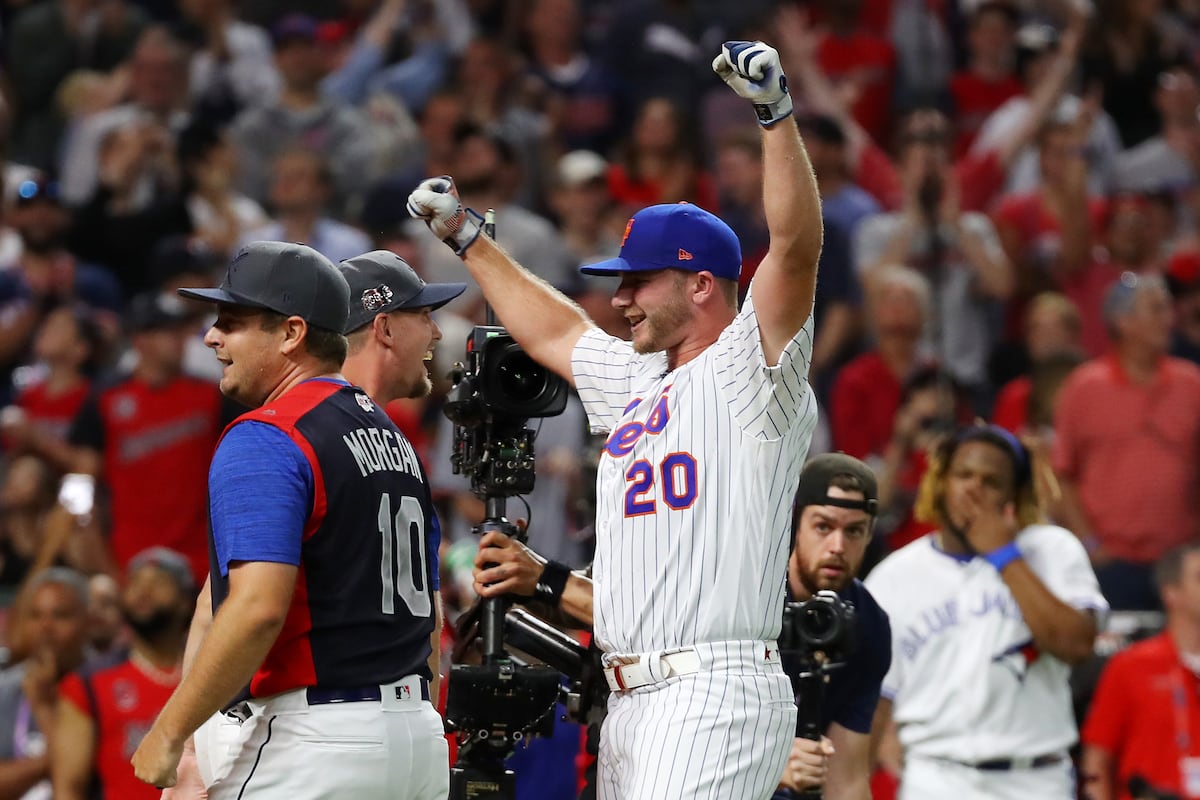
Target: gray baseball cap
pixel 381 281
pixel 172 562
pixel 285 277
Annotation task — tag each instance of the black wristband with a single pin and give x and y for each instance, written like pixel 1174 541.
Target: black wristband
pixel 553 581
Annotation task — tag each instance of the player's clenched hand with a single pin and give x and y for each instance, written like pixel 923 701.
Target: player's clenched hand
pixel 435 200
pixel 189 785
pixel 505 566
pixel 157 758
pixel 752 69
pixel 807 765
pixel 989 526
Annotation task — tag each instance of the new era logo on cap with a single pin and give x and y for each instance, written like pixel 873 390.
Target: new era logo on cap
pixel 675 236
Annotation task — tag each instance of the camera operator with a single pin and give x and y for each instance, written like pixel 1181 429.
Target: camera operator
pixel 834 515
pixel 505 566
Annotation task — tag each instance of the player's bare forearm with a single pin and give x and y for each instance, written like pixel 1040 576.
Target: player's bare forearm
pixel 884 748
pixel 849 766
pixel 545 322
pixel 1059 629
pixel 786 279
pixel 577 597
pixel 435 650
pixel 238 639
pixel 201 622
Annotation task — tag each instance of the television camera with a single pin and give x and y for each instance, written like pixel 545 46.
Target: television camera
pixel 817 637
pixel 495 704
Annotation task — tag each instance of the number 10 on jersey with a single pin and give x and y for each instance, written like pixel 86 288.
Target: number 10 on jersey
pixel 403 566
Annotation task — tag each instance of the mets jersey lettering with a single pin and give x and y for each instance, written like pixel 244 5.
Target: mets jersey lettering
pixel 693 486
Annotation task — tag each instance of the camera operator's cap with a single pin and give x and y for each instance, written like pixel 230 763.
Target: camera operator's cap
pixel 675 236
pixel 172 562
pixel 291 279
pixel 818 475
pixel 381 281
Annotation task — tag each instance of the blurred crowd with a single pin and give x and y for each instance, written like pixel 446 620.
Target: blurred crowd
pixel 1010 196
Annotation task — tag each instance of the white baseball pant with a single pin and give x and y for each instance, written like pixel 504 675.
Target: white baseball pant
pixel 389 749
pixel 938 779
pixel 722 732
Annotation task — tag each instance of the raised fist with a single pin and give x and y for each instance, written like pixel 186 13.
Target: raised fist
pixel 752 69
pixel 435 200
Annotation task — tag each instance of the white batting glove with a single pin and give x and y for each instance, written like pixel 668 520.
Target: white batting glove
pixel 753 70
pixel 435 200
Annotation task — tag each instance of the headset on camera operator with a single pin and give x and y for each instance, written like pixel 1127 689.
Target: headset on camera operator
pixel 833 518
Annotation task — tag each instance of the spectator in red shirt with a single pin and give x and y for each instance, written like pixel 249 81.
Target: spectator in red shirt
pixel 1143 722
pixel 987 80
pixel 149 436
pixel 861 64
pixel 1049 234
pixel 65 350
pixel 932 405
pixel 979 176
pixel 866 392
pixel 1183 275
pixel 103 713
pixel 1052 326
pixel 660 163
pixel 1127 445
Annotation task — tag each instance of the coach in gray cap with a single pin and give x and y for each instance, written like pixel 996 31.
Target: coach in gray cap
pixel 291 293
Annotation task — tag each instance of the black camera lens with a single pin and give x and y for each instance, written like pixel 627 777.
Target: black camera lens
pixel 520 379
pixel 819 623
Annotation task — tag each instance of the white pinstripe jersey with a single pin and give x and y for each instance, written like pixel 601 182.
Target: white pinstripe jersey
pixel 694 486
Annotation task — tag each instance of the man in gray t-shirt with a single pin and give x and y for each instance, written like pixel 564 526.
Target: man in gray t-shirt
pixel 53 620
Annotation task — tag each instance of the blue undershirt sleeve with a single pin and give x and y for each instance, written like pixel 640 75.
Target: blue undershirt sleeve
pixel 260 489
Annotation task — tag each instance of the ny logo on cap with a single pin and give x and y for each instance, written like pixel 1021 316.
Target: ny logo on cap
pixel 375 299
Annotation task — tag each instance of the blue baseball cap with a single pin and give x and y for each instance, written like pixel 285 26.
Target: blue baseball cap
pixel 675 236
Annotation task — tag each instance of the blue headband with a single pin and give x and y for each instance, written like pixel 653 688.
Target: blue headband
pixel 997 435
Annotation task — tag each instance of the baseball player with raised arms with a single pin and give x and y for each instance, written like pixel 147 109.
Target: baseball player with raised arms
pixel 710 415
pixel 988 614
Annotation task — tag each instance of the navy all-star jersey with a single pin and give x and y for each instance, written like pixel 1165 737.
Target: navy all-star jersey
pixel 322 479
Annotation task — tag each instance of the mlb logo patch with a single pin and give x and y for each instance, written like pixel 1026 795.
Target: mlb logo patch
pixel 365 402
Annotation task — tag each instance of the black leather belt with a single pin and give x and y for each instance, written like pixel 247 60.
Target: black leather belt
pixel 322 696
pixel 1006 764
pixel 319 696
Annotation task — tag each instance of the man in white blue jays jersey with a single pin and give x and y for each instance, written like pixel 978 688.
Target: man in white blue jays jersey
pixel 710 416
pixel 988 614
